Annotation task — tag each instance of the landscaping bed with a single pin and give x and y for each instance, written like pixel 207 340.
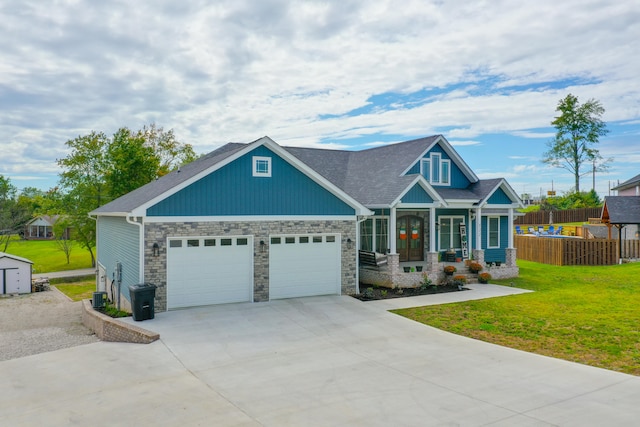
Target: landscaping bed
pixel 372 293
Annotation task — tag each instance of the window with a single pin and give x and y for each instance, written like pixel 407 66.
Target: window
pixel 175 243
pixel 370 241
pixel 193 243
pixel 242 241
pixel 331 239
pixel 450 232
pixel 445 174
pixel 493 232
pixel 317 239
pixel 275 240
pixel 261 166
pixel 304 239
pixel 436 169
pixel 225 242
pixel 289 239
pixel 209 242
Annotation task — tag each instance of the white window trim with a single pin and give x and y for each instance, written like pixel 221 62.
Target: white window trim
pixel 450 218
pixel 441 162
pixel 257 159
pixel 489 232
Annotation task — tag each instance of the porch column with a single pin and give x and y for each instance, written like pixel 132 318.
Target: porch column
pixel 510 232
pixel 479 229
pixel 432 230
pixel 392 231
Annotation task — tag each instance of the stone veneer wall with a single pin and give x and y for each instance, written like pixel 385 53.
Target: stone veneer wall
pixel 392 276
pixel 155 270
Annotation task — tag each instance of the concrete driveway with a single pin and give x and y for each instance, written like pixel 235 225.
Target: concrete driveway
pixel 326 361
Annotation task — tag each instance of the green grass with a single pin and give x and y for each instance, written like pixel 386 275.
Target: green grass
pixel 78 291
pixel 588 315
pixel 47 257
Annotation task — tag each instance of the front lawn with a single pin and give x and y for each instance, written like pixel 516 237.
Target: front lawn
pixel 47 257
pixel 78 291
pixel 583 314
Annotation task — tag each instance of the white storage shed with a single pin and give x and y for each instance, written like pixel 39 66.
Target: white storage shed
pixel 15 274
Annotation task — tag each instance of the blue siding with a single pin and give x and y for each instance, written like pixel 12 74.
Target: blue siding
pixel 497 254
pixel 499 198
pixel 458 179
pixel 417 195
pixel 415 169
pixel 233 191
pixel 118 241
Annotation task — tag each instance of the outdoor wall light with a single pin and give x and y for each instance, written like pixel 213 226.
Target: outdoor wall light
pixel 156 250
pixel 263 246
pixel 349 242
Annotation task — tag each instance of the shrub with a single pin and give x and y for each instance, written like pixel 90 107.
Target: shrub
pixel 460 279
pixel 475 267
pixel 484 277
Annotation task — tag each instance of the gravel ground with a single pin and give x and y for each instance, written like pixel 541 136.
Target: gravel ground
pixel 40 322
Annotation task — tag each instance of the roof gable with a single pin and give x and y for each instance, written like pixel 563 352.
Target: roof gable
pixel 233 190
pixel 621 210
pixel 441 145
pixel 138 201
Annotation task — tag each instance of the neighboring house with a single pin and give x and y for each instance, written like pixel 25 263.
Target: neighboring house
pixel 630 187
pixel 255 222
pixel 41 228
pixel 15 274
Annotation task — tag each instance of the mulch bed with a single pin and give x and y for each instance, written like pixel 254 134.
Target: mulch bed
pixel 372 293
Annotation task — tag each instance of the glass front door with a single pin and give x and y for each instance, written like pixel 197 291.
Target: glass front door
pixel 409 230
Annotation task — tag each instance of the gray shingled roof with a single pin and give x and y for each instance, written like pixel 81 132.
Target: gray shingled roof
pixel 372 177
pixel 622 209
pixel 628 183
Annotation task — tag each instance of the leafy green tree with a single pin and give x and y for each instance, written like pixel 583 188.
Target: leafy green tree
pixel 578 129
pixel 131 163
pixel 13 216
pixel 170 152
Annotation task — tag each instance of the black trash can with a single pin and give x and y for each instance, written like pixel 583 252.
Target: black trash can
pixel 142 296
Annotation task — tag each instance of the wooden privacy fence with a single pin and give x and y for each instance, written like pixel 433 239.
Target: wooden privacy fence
pixel 630 248
pixel 559 251
pixel 569 215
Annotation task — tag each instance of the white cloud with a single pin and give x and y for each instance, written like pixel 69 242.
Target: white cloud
pixel 238 70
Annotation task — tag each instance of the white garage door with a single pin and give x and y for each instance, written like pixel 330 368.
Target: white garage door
pixel 304 265
pixel 209 270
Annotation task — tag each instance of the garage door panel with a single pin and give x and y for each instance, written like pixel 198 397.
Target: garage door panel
pixel 203 275
pixel 304 267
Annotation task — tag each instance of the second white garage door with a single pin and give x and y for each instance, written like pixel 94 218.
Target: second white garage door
pixel 209 270
pixel 304 265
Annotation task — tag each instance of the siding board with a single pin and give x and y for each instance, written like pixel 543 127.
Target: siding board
pixel 119 242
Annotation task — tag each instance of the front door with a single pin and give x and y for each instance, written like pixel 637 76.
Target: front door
pixel 410 233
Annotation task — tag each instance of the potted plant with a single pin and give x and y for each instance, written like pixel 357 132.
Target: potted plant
pixel 407 269
pixel 418 268
pixel 475 267
pixel 484 277
pixel 449 270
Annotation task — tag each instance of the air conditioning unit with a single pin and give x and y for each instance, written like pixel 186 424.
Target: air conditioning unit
pixel 99 300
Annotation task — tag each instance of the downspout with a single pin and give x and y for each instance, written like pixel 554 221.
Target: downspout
pixel 133 221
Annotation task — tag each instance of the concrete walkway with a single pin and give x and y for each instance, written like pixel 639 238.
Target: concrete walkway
pixel 67 273
pixel 322 361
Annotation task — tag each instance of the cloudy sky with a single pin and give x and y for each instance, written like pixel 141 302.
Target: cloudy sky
pixel 338 74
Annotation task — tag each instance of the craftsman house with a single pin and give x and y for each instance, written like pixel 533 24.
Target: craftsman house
pixel 257 221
